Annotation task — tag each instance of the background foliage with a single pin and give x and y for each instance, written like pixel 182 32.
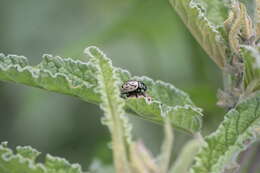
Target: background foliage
pixel 145 37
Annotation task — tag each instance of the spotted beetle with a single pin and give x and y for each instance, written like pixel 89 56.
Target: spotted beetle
pixel 133 88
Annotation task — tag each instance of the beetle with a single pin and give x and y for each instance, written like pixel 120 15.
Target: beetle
pixel 133 88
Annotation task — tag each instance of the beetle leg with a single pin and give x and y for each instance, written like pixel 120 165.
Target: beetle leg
pixel 144 94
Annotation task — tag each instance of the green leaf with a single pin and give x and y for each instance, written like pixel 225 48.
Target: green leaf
pixel 112 105
pixel 202 18
pixel 77 78
pixel 251 78
pixel 236 132
pixel 216 11
pixel 24 161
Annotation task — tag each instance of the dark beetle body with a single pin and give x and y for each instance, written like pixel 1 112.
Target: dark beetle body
pixel 133 88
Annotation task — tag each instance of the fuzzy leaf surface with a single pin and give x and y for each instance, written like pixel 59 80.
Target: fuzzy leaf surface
pixel 216 11
pixel 202 18
pixel 112 105
pixel 77 78
pixel 238 130
pixel 24 161
pixel 251 79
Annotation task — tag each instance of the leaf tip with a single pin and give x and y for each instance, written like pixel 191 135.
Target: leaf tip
pixel 91 51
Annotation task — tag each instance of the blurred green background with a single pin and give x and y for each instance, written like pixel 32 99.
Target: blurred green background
pixel 145 37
